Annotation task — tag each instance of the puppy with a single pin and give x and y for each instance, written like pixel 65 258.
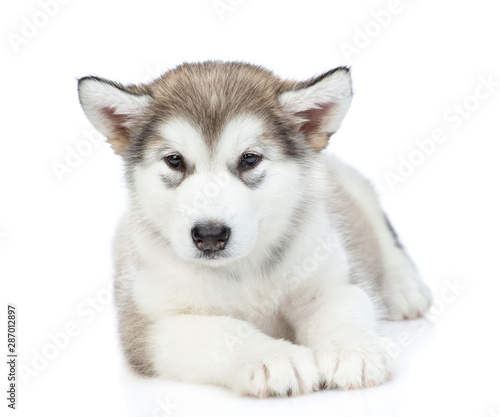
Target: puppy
pixel 249 258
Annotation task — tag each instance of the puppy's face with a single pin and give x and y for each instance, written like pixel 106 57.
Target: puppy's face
pixel 217 154
pixel 214 200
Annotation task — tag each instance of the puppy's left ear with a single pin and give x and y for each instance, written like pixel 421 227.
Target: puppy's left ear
pixel 317 106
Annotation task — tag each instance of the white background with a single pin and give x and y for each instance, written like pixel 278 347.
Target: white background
pixel 56 231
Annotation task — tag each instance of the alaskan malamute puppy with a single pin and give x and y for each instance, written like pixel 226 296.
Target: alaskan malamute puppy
pixel 249 258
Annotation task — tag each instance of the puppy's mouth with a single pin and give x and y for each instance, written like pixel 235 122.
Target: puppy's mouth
pixel 212 254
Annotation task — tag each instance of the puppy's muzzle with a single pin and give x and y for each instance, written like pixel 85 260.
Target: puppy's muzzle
pixel 210 237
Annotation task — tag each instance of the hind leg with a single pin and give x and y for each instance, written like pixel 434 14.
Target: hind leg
pixel 403 292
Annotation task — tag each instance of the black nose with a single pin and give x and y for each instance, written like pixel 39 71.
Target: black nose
pixel 210 237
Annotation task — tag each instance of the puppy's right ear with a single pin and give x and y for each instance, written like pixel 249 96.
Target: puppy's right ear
pixel 114 110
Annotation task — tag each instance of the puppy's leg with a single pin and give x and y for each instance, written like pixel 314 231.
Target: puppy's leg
pixel 229 352
pixel 339 325
pixel 403 292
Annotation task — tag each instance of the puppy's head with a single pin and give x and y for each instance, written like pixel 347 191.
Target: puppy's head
pixel 217 154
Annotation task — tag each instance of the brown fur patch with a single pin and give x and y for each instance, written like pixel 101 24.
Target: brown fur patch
pixel 209 94
pixel 133 330
pixel 361 241
pixel 133 327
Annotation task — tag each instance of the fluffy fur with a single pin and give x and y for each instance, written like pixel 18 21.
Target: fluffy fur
pixel 291 303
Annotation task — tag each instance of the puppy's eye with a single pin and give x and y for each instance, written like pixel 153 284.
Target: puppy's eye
pixel 174 161
pixel 249 160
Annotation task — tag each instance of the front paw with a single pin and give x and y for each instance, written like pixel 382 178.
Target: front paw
pixel 353 366
pixel 277 368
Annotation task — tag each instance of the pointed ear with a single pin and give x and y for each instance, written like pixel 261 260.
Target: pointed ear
pixel 113 109
pixel 317 106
